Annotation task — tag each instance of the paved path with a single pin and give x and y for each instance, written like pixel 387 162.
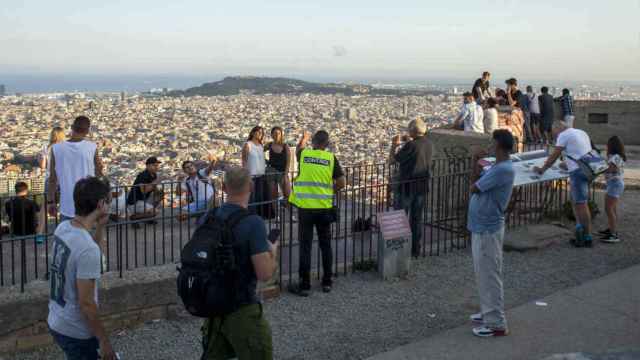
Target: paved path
pixel 597 316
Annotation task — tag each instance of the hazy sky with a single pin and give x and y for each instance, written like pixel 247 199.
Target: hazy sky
pixel 542 39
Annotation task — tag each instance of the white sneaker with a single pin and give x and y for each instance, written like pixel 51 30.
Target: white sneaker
pixel 484 331
pixel 477 319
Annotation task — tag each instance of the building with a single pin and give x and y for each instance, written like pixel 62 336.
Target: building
pixel 122 96
pixel 3 90
pixel 603 119
pixel 351 114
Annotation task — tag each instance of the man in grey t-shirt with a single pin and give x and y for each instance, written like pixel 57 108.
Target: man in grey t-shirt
pixel 73 317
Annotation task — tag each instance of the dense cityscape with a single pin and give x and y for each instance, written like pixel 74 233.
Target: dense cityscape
pixel 131 127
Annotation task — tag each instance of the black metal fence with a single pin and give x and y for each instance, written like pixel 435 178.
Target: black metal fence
pixel 151 231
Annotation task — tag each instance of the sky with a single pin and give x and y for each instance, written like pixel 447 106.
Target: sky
pixel 402 39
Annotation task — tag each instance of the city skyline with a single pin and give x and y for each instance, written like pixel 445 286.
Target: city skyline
pixel 569 41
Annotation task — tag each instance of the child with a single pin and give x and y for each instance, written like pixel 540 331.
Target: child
pixel 615 186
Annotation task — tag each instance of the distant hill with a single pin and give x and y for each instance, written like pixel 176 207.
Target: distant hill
pixel 235 85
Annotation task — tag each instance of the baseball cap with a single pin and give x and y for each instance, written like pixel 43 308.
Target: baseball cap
pixel 153 160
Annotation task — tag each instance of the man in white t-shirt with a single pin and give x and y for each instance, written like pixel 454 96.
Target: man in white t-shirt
pixel 71 161
pixel 471 115
pixel 197 186
pixel 74 318
pixel 574 144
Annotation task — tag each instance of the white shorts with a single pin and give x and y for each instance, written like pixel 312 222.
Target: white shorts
pixel 140 207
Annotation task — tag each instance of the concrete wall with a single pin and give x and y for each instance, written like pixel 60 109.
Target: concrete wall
pixel 603 119
pixel 143 295
pixel 456 143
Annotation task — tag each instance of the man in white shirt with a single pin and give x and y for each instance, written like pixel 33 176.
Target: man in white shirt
pixel 197 186
pixel 71 161
pixel 574 144
pixel 471 115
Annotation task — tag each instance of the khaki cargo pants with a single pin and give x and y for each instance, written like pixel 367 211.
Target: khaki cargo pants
pixel 244 334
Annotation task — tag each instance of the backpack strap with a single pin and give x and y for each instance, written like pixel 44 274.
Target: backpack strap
pixel 235 217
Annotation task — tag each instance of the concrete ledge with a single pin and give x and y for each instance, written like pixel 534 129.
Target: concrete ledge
pixel 141 296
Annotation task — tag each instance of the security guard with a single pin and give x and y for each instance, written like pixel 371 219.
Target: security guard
pixel 320 176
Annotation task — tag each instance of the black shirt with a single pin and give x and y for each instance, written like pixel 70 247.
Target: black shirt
pixel 135 194
pixel 277 160
pixel 479 84
pixel 546 106
pixel 250 238
pixel 337 169
pixel 414 159
pixel 22 213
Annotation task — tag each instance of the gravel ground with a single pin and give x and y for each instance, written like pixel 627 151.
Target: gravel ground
pixel 364 316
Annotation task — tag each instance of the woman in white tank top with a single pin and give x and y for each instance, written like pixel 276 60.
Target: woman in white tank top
pixel 254 161
pixel 253 152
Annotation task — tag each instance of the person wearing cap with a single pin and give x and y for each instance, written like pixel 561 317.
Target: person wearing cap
pixel 71 161
pixel 414 167
pixel 141 201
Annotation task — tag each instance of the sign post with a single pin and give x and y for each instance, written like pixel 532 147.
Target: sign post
pixel 394 246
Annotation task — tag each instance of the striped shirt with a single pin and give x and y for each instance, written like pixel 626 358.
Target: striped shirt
pixel 566 102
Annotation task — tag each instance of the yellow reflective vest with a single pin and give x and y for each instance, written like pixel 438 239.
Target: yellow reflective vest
pixel 313 188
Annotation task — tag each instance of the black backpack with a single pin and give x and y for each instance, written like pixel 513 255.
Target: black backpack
pixel 208 276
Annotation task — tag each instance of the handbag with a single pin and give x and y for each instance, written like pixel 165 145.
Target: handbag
pixel 591 164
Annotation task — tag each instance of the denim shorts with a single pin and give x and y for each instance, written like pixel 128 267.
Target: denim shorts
pixel 77 349
pixel 615 188
pixel 579 187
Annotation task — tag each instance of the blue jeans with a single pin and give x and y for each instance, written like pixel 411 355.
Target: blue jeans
pixel 615 188
pixel 77 349
pixel 413 205
pixel 579 187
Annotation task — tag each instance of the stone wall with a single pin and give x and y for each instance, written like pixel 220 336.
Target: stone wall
pixel 603 119
pixel 455 143
pixel 143 295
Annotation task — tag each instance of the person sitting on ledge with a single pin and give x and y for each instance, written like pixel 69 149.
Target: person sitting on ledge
pixel 21 211
pixel 197 186
pixel 144 197
pixel 471 117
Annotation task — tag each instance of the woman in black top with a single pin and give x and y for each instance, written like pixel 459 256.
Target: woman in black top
pixel 278 163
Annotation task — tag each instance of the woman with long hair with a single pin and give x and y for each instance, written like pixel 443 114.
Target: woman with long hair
pixel 254 161
pixel 491 116
pixel 616 158
pixel 55 136
pixel 278 163
pixel 253 152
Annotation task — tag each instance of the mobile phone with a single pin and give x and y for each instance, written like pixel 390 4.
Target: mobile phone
pixel 273 236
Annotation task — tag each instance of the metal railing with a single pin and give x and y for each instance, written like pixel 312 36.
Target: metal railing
pixel 135 240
